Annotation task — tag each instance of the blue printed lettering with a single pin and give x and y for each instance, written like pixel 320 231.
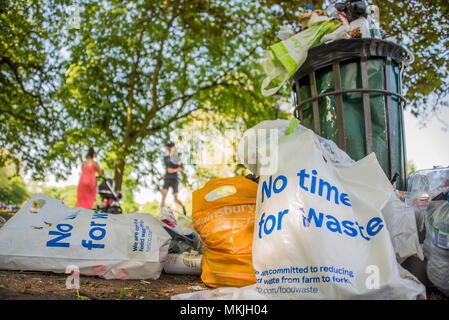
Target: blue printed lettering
pixel 274 222
pixel 374 226
pixel 282 187
pixel 62 233
pixel 266 189
pixel 100 215
pixel 55 242
pixel 324 188
pixel 89 245
pixel 348 228
pixel 97 237
pixel 97 233
pixel 329 190
pixel 332 224
pixel 312 214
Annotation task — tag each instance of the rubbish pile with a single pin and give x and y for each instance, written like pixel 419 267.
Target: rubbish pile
pixel 308 223
pixel 428 195
pixel 45 235
pixel 347 20
pixel 223 215
pixel 186 247
pixel 325 227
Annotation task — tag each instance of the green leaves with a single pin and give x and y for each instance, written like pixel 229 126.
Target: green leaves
pixel 12 187
pixel 134 71
pixel 423 27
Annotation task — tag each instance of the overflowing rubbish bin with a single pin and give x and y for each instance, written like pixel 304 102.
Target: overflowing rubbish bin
pixel 349 91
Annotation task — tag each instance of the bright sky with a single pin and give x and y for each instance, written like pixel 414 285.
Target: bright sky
pixel 427 146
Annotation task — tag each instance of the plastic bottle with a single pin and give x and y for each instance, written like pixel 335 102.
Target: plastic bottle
pixel 436 245
pixel 184 263
pixel 374 21
pixel 332 11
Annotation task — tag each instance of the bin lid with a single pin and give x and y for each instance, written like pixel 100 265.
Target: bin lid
pixel 323 55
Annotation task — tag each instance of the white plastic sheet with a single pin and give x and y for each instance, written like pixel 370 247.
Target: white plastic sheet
pixel 53 237
pixel 401 225
pixel 321 225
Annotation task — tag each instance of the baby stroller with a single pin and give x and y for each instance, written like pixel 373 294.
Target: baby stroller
pixel 110 199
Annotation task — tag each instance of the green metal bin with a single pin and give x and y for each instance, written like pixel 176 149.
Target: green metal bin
pixel 349 91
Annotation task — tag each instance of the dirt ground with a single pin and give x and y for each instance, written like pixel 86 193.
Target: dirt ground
pixel 31 285
pixel 26 285
pixel 34 285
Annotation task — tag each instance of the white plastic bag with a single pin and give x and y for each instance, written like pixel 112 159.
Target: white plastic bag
pixel 285 32
pixel 401 225
pixel 225 293
pixel 363 24
pixel 259 145
pixel 342 32
pixel 319 230
pixel 111 246
pixel 282 59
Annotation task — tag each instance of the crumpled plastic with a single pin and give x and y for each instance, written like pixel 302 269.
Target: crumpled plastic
pixel 285 32
pixel 423 187
pixel 282 59
pixel 399 217
pixel 224 293
pixel 346 31
pixel 251 156
pixel 401 223
pixel 436 245
pixel 429 181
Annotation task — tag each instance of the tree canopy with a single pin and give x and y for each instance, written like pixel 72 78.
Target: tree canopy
pixel 126 75
pixel 12 187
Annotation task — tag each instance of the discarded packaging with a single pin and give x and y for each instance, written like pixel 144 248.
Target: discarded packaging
pixel 227 293
pixel 353 9
pixel 184 237
pixel 358 28
pixel 423 187
pixel 283 58
pixel 266 135
pixel 285 32
pixel 401 225
pixel 436 245
pixel 319 229
pixel 363 27
pixel 374 20
pixel 183 263
pixel 223 215
pixel 433 182
pixel 45 235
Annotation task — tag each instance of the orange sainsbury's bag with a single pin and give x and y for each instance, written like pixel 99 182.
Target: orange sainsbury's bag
pixel 223 215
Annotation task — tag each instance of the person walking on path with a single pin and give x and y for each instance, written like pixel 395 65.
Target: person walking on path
pixel 173 165
pixel 87 186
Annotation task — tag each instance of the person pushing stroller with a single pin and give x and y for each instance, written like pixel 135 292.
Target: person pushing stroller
pixel 173 165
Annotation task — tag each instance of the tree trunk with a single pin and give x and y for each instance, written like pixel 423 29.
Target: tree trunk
pixel 119 171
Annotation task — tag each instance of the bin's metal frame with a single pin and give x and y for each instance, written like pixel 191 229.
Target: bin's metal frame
pixel 323 56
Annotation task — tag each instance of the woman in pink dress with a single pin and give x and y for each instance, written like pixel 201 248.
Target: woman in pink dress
pixel 87 186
